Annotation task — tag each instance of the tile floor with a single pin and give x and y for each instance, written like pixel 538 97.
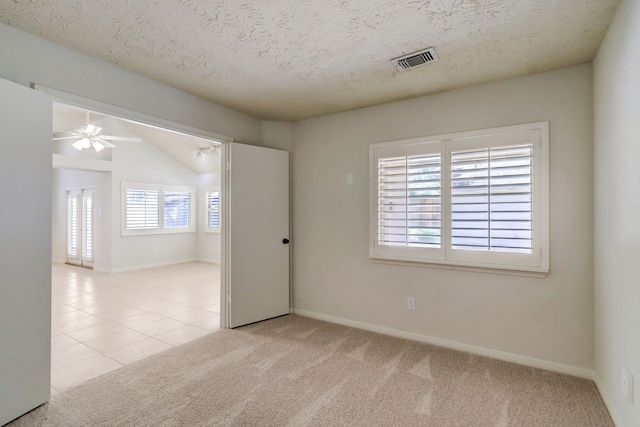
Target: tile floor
pixel 101 321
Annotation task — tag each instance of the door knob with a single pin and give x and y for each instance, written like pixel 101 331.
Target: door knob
pixel 285 241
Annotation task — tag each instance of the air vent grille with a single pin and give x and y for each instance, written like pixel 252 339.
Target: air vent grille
pixel 415 59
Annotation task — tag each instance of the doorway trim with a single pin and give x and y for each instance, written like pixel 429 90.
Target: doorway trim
pixel 170 126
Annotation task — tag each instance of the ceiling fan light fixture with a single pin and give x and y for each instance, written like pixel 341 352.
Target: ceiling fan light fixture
pixel 81 144
pixel 97 146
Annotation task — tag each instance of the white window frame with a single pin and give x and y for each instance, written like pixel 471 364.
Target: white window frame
pixel 161 189
pixel 535 264
pixel 207 227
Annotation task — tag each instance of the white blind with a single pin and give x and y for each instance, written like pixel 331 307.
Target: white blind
pixel 410 201
pixel 213 209
pixel 142 209
pixel 87 222
pixel 177 209
pixel 491 199
pixel 72 226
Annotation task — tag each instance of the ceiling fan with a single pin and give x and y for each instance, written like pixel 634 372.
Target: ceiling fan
pixel 89 136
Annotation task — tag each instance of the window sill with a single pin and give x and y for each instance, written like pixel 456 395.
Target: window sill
pixel 535 273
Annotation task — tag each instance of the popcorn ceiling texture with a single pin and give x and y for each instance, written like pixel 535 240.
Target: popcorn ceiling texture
pixel 293 59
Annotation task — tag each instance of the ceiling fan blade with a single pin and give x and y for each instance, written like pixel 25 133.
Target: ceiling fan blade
pixel 120 138
pixel 66 137
pixel 64 131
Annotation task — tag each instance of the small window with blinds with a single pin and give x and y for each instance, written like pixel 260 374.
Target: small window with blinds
pixel 156 209
pixel 177 209
pixel 213 211
pixel 466 200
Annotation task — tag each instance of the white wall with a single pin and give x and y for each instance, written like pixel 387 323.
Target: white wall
pixel 548 319
pixel 27 59
pixel 617 211
pixel 143 162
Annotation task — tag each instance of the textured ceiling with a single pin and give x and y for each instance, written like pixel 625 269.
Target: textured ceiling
pixel 294 59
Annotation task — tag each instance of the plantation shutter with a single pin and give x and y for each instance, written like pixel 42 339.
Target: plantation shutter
pixel 72 225
pixel 142 209
pixel 177 209
pixel 87 224
pixel 409 204
pixel 491 199
pixel 213 209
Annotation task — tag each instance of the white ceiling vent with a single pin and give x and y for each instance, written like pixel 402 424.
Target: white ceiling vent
pixel 415 59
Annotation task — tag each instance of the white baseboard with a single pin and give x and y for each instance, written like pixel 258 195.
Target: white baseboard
pixel 494 354
pixel 607 400
pixel 142 267
pixel 208 261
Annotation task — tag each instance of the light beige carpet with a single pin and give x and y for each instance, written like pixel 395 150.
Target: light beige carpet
pixel 295 371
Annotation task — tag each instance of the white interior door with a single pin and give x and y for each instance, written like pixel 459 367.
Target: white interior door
pixel 80 227
pixel 25 249
pixel 257 250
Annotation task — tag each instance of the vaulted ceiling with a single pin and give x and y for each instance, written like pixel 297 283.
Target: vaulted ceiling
pixel 293 59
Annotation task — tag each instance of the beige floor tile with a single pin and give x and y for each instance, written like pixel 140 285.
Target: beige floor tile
pixel 69 316
pixel 62 341
pixel 115 340
pixel 96 331
pixel 191 316
pixel 70 354
pixel 154 303
pixel 101 321
pixel 59 309
pixel 158 327
pixel 182 335
pixel 172 310
pixel 85 322
pixel 138 351
pixel 210 324
pixel 120 314
pixel 82 371
pixel 139 319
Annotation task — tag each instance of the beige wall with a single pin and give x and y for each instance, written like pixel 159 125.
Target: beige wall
pixel 548 319
pixel 617 211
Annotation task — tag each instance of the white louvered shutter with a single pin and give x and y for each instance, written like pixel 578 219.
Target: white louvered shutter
pixel 72 225
pixel 87 225
pixel 410 201
pixel 491 199
pixel 142 209
pixel 213 210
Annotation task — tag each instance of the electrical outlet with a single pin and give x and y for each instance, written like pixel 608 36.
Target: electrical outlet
pixel 411 303
pixel 627 384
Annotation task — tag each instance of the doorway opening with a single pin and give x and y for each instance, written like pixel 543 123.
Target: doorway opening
pixel 144 215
